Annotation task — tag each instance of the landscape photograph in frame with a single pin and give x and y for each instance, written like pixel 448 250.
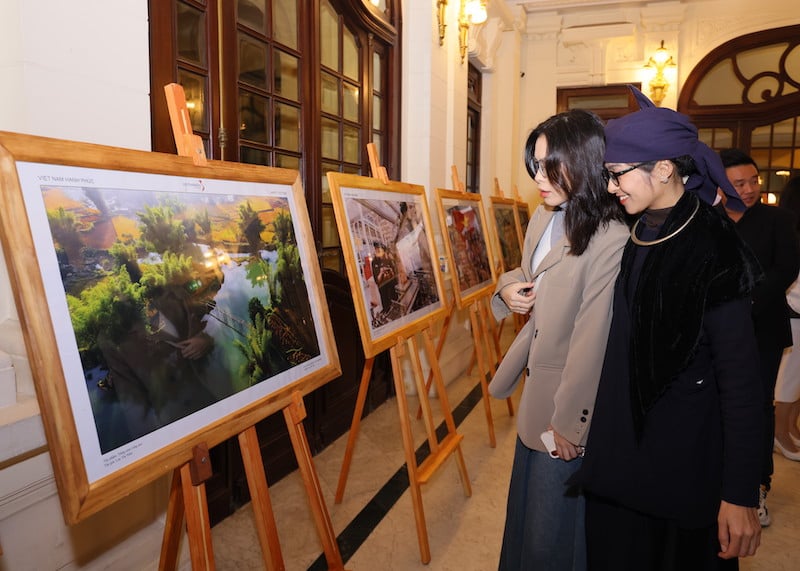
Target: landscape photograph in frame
pixel 386 236
pixel 177 305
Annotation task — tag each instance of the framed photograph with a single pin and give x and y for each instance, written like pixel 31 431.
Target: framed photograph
pixel 508 232
pixel 386 236
pixel 163 305
pixel 467 243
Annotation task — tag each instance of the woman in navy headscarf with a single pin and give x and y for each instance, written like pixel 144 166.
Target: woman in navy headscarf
pixel 671 466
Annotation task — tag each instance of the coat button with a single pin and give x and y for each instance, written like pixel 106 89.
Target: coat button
pixel 585 411
pixel 535 333
pixel 583 419
pixel 527 372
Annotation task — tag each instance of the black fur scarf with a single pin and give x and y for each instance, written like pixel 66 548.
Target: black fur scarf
pixel 701 267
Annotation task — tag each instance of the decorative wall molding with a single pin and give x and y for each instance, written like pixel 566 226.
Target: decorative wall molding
pixel 484 41
pixel 544 27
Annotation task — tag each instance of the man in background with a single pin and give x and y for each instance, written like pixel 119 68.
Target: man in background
pixel 769 231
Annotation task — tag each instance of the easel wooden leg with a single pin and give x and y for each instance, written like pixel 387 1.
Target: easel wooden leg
pixel 491 327
pixel 198 526
pixel 491 333
pixel 354 428
pixel 471 361
pixel 173 527
pixel 294 415
pixel 260 500
pixel 188 497
pixel 396 353
pixel 478 342
pixel 439 347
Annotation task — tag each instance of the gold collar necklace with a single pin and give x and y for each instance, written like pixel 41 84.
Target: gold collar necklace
pixel 635 239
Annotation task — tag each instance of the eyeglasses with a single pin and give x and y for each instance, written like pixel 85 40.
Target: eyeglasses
pixel 537 166
pixel 614 176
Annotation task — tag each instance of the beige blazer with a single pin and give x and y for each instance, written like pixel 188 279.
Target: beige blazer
pixel 563 344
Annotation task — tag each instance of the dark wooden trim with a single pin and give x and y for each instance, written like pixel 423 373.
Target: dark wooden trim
pixel 312 91
pixel 370 21
pixel 563 94
pixel 162 72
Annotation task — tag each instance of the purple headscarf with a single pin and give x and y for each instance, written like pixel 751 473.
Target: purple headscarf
pixel 657 133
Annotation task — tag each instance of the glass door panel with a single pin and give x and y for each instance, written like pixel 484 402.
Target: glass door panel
pixel 194 88
pixel 377 112
pixel 253 156
pixel 352 145
pixel 253 112
pixel 286 68
pixel 328 35
pixel 284 16
pixel 351 107
pixel 350 52
pixel 253 14
pixel 191 34
pixel 330 93
pixel 252 62
pixel 287 127
pixel 287 161
pixel 330 139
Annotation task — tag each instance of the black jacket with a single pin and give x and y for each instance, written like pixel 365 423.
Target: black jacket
pixel 678 423
pixel 770 233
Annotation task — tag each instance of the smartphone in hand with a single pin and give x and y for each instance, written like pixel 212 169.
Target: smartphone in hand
pixel 549 442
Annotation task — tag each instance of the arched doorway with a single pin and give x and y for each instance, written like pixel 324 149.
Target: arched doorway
pixel 746 94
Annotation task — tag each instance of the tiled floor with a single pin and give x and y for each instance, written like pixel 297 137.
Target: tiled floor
pixel 464 533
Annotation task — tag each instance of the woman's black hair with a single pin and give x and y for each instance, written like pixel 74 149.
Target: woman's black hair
pixel 574 164
pixel 684 165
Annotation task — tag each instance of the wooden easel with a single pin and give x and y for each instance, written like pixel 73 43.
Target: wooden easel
pixel 486 340
pixel 519 320
pixel 188 494
pixel 485 302
pixel 440 450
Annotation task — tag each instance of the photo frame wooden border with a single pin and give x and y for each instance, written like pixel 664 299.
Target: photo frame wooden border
pixel 347 189
pixel 465 295
pixel 499 203
pixel 81 495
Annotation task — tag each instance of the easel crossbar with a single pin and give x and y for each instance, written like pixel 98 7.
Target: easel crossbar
pixel 447 446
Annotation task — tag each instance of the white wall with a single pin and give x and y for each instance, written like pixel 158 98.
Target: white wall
pixel 77 71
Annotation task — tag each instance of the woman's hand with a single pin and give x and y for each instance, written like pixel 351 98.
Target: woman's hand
pixel 566 450
pixel 518 297
pixel 739 531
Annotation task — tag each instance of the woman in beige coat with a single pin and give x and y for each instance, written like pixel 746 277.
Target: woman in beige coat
pixel 570 261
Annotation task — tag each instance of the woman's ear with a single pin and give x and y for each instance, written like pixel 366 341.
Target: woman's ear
pixel 664 170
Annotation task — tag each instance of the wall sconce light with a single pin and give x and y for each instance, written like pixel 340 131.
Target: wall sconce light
pixel 473 12
pixel 441 8
pixel 660 60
